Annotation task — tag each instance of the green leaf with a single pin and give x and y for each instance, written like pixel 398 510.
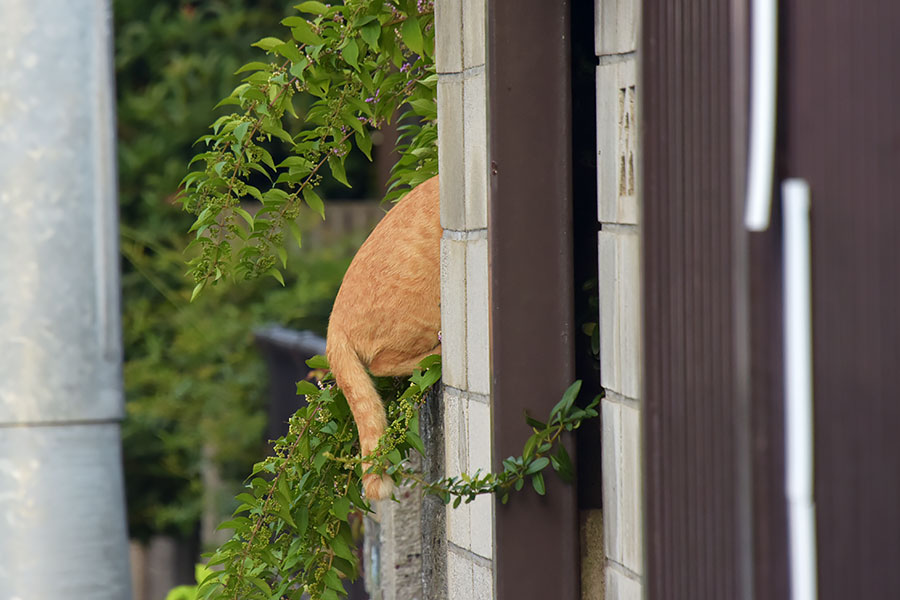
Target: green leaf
pixel 370 33
pixel 304 34
pixel 530 444
pixel 341 549
pixel 340 508
pixel 313 200
pixel 333 581
pixel 349 119
pixel 290 51
pixel 306 388
pixel 298 67
pixel 253 66
pixel 295 231
pixel 567 400
pixel 364 143
pixel 268 43
pixel 563 464
pixel 537 465
pixel 412 35
pixel 537 482
pixel 316 8
pixel 317 362
pixel 244 215
pixel 532 422
pixel 337 169
pixel 351 54
pixel 277 275
pixel 424 107
pixel 197 289
pixel 415 441
pixel 235 523
pixel 285 514
pixel 301 518
pixel 262 585
pixel 432 361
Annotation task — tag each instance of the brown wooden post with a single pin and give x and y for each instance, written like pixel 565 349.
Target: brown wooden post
pixel 532 323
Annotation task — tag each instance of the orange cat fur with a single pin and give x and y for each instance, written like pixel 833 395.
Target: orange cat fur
pixel 387 314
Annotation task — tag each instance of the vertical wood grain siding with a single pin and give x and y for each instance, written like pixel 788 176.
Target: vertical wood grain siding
pixel 690 409
pixel 842 120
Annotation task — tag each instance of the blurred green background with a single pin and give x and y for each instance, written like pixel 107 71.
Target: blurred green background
pixel 195 384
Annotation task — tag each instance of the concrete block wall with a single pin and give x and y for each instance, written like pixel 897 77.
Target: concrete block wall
pixel 462 155
pixel 616 35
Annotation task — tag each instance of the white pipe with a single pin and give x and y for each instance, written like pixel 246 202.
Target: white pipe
pixel 764 43
pixel 799 390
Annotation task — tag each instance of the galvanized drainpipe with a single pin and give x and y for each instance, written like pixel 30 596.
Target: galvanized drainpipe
pixel 62 511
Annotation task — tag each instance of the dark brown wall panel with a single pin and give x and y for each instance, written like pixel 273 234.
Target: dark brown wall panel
pixel 841 96
pixel 691 413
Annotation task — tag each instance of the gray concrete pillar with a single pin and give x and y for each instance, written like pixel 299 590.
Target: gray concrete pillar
pixel 62 511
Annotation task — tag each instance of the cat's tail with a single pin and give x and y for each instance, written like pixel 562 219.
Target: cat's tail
pixel 366 405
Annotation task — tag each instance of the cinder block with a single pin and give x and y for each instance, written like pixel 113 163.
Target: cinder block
pixel 475 150
pixel 448 36
pixel 479 432
pixel 608 285
pixel 478 360
pixel 456 440
pixel 617 143
pixel 631 527
pixel 453 312
pixel 479 454
pixel 451 153
pixel 629 313
pixel 473 19
pixel 615 26
pixel 621 587
pixel 621 462
pixel 611 416
pixel 482 525
pixel 460 577
pixel 483 583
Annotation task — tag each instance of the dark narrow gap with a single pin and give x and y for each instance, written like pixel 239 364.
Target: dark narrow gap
pixel 585 228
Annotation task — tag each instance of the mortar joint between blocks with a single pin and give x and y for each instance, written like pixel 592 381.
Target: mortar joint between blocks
pixel 623 570
pixel 467 395
pixel 465 235
pixel 618 398
pixel 469 555
pixel 467 73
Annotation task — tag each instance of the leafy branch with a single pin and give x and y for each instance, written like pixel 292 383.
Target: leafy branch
pixel 293 530
pixel 542 449
pixel 365 62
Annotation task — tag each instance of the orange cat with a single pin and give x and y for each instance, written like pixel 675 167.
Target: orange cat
pixel 387 314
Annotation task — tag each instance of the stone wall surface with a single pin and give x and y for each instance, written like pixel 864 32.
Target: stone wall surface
pixel 462 155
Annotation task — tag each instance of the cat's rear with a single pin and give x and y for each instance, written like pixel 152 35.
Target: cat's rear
pixel 387 314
